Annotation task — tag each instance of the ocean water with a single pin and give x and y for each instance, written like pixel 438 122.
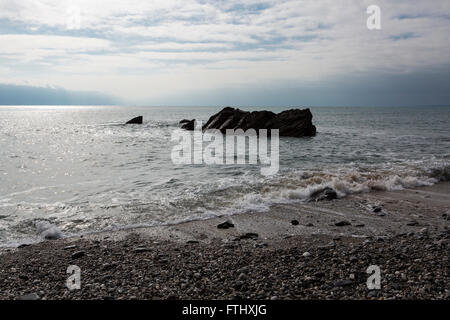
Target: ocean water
pixel 74 170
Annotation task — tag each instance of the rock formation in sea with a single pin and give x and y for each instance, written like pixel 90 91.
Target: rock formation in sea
pixel 187 124
pixel 137 120
pixel 291 123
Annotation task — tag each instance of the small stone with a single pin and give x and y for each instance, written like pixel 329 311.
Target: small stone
pixel 306 254
pixel 141 249
pixel 412 223
pixel 377 209
pixel 29 296
pixel 309 225
pixel 242 277
pixel 396 286
pixel 319 274
pixel 70 247
pixel 342 223
pixel 249 235
pixel 225 225
pixel 373 294
pixel 295 222
pixel 343 283
pixel 78 254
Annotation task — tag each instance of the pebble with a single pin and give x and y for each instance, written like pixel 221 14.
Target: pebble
pixel 343 283
pixel 29 296
pixel 225 225
pixel 249 235
pixel 78 254
pixel 290 269
pixel 342 223
pixel 140 250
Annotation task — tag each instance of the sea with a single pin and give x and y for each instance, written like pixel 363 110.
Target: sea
pixel 75 170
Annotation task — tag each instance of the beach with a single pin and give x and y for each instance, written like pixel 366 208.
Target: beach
pixel 312 250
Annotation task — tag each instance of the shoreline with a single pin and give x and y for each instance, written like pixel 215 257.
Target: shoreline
pixel 317 250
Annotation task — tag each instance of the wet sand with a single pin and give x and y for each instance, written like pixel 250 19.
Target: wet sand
pixel 316 250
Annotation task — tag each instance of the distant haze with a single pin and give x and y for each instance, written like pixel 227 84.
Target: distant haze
pixel 208 52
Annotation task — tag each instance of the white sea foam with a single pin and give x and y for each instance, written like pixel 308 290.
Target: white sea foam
pixel 298 186
pixel 47 230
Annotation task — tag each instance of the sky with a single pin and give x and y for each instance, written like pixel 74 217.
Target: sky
pixel 205 52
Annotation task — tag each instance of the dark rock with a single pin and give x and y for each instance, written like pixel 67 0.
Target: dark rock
pixel 52 236
pixel 29 296
pixel 24 245
pixel 225 225
pixel 188 124
pixel 343 283
pixel 377 209
pixel 141 249
pixel 319 274
pixel 292 123
pixel 192 242
pixel 137 120
pixel 295 222
pixel 309 224
pixel 324 194
pixel 373 294
pixel 396 286
pixel 249 235
pixel 342 223
pixel 109 266
pixel 78 254
pixel 412 223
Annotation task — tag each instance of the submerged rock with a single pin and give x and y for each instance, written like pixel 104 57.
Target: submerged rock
pixel 187 124
pixel 324 194
pixel 137 120
pixel 291 123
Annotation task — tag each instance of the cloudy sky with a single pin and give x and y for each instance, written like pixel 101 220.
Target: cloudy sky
pixel 205 52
